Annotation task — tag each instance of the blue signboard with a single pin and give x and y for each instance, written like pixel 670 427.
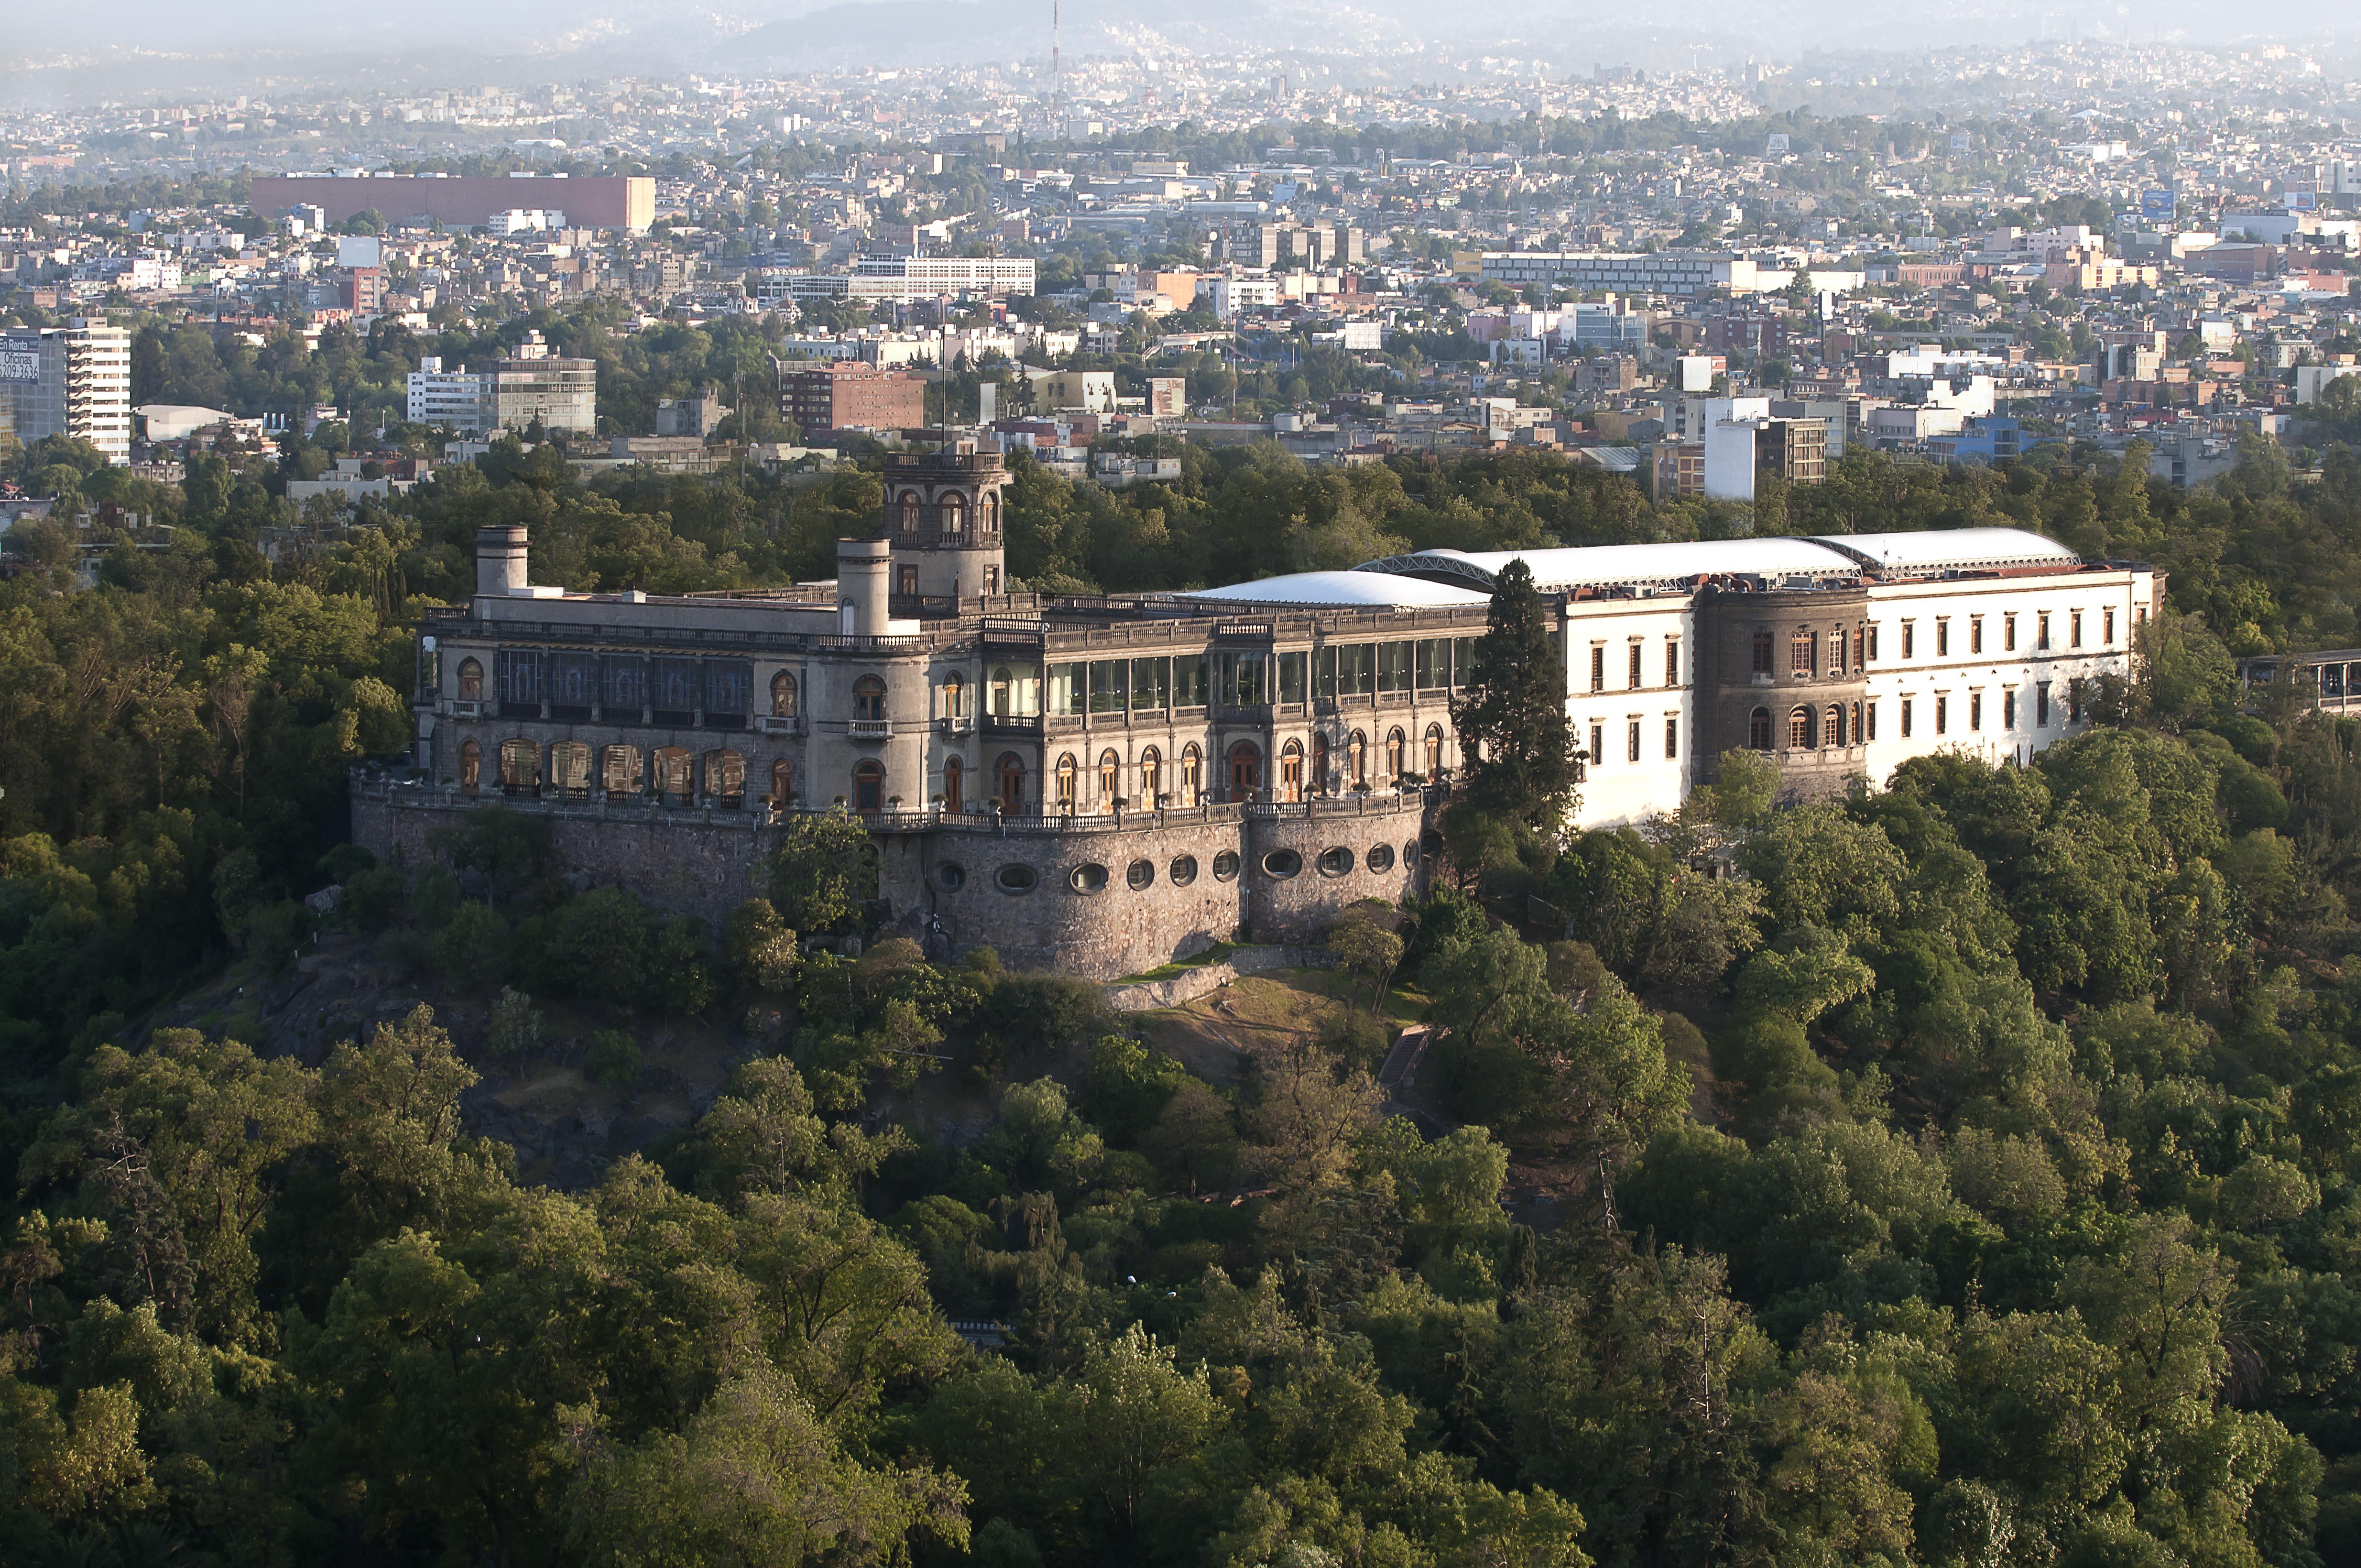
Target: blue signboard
pixel 2156 206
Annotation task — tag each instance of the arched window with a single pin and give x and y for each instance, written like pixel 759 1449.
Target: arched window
pixel 471 681
pixel 1757 729
pixel 725 779
pixel 1000 693
pixel 954 784
pixel 1801 648
pixel 672 765
pixel 1012 782
pixel 1291 772
pixel 954 519
pixel 619 770
pixel 783 783
pixel 1397 762
pixel 1357 759
pixel 1151 776
pixel 869 697
pixel 1799 730
pixel 1110 779
pixel 520 766
pixel 1192 774
pixel 955 697
pixel 1433 752
pixel 783 696
pixel 1832 726
pixel 1320 764
pixel 471 766
pixel 909 514
pixel 569 767
pixel 1068 771
pixel 1245 771
pixel 991 510
pixel 868 785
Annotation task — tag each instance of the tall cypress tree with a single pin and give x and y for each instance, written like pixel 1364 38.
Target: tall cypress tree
pixel 1521 760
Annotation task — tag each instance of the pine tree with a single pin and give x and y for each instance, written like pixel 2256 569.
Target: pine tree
pixel 1521 760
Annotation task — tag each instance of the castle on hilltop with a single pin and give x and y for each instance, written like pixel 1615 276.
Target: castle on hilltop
pixel 1100 784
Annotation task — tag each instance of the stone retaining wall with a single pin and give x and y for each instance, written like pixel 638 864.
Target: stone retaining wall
pixel 1190 985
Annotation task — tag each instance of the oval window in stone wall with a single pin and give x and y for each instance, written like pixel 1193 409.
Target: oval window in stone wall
pixel 1088 877
pixel 1429 841
pixel 951 875
pixel 1282 863
pixel 1183 871
pixel 1380 858
pixel 1141 874
pixel 1016 878
pixel 1410 856
pixel 1225 865
pixel 1337 861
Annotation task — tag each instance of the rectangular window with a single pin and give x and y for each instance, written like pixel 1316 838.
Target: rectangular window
pixel 1672 738
pixel 1762 652
pixel 1069 684
pixel 1976 711
pixel 1942 714
pixel 1393 666
pixel 1598 667
pixel 520 676
pixel 2041 632
pixel 2008 708
pixel 1671 661
pixel 1906 718
pixel 1909 640
pixel 1803 653
pixel 2107 627
pixel 2041 706
pixel 1868 723
pixel 1324 672
pixel 1598 742
pixel 729 683
pixel 1356 670
pixel 1433 661
pixel 2008 633
pixel 1111 685
pixel 2074 629
pixel 1975 634
pixel 1240 680
pixel 1291 677
pixel 1872 641
pixel 2073 702
pixel 1462 659
pixel 625 682
pixel 1151 685
pixel 1632 742
pixel 1837 651
pixel 1192 677
pixel 1942 642
pixel 1631 670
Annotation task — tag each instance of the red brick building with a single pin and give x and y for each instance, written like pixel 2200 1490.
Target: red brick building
pixel 847 395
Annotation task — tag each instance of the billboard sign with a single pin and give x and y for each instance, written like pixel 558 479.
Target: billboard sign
pixel 2156 206
pixel 1775 144
pixel 1962 142
pixel 20 364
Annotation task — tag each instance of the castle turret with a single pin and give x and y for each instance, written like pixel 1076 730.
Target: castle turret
pixel 861 585
pixel 500 560
pixel 942 516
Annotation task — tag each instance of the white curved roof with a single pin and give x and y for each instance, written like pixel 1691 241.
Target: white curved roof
pixel 1941 549
pixel 1645 565
pixel 1632 566
pixel 1353 588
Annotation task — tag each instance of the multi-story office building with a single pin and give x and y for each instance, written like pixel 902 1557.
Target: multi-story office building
pixel 1099 782
pixel 1656 272
pixel 454 397
pixel 74 380
pixel 561 393
pixel 847 395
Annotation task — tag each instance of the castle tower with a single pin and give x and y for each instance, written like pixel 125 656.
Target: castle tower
pixel 943 520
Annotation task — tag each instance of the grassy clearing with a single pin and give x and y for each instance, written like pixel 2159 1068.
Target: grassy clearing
pixel 1211 955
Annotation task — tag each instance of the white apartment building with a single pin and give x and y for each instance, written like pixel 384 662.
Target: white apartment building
pixel 452 397
pixel 74 380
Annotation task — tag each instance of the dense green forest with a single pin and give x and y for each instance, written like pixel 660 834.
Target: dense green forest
pixel 1974 1179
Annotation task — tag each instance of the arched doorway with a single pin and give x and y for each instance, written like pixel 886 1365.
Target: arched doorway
pixel 1245 771
pixel 1320 764
pixel 783 783
pixel 520 767
pixel 1012 784
pixel 1291 772
pixel 672 767
pixel 725 779
pixel 954 785
pixel 868 785
pixel 471 766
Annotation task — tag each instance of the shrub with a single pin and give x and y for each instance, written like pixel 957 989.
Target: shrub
pixel 473 950
pixel 515 1026
pixel 614 1060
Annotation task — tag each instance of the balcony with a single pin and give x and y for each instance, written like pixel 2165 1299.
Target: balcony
pixel 956 724
pixel 870 728
pixel 780 724
pixel 1012 724
pixel 466 707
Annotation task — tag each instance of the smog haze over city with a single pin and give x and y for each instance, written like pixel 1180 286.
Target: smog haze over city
pixel 1250 785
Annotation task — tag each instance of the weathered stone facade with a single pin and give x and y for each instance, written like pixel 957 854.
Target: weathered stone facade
pixel 1098 897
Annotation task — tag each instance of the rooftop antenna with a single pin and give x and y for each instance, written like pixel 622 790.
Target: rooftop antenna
pixel 1057 80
